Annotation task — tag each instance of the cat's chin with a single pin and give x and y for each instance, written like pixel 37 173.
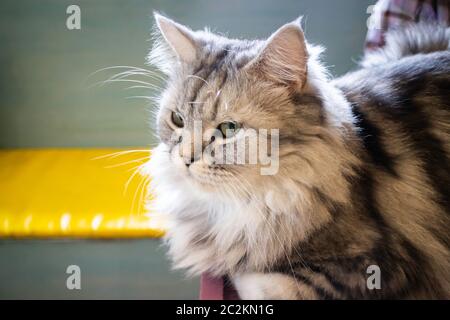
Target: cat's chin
pixel 200 176
pixel 205 188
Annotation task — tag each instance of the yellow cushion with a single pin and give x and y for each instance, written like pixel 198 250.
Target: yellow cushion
pixel 74 193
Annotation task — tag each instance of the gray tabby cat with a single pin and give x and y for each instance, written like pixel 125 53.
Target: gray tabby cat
pixel 363 174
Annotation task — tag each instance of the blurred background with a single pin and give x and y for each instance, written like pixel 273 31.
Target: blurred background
pixel 47 100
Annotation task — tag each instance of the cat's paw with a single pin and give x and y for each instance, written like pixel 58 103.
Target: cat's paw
pixel 268 286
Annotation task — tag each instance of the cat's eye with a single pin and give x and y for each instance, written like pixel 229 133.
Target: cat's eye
pixel 177 119
pixel 229 128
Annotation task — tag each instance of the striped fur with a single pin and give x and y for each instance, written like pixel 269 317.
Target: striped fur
pixel 363 175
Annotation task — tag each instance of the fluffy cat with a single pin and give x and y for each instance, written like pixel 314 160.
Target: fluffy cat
pixel 363 165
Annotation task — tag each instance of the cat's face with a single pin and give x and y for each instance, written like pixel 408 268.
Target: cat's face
pixel 232 110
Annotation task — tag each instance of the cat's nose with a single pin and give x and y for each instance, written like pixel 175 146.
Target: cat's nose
pixel 188 161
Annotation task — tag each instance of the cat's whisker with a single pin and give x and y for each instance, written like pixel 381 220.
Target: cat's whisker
pixel 126 80
pixel 200 78
pixel 130 179
pixel 119 153
pixel 139 87
pixel 127 162
pixel 127 75
pixel 140 97
pixel 130 69
pixel 138 73
pixel 122 79
pixel 134 168
pixel 137 191
pixel 146 180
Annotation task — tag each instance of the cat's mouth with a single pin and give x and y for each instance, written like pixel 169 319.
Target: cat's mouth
pixel 208 176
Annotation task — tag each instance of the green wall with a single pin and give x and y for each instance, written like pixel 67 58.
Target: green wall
pixel 126 269
pixel 45 100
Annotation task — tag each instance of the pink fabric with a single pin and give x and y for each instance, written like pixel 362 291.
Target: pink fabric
pixel 212 288
pixel 391 14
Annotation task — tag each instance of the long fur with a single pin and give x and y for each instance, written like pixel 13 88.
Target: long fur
pixel 403 42
pixel 355 186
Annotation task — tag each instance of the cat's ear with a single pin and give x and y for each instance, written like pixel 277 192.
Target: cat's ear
pixel 179 38
pixel 284 56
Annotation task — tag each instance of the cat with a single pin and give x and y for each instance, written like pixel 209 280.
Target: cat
pixel 363 164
